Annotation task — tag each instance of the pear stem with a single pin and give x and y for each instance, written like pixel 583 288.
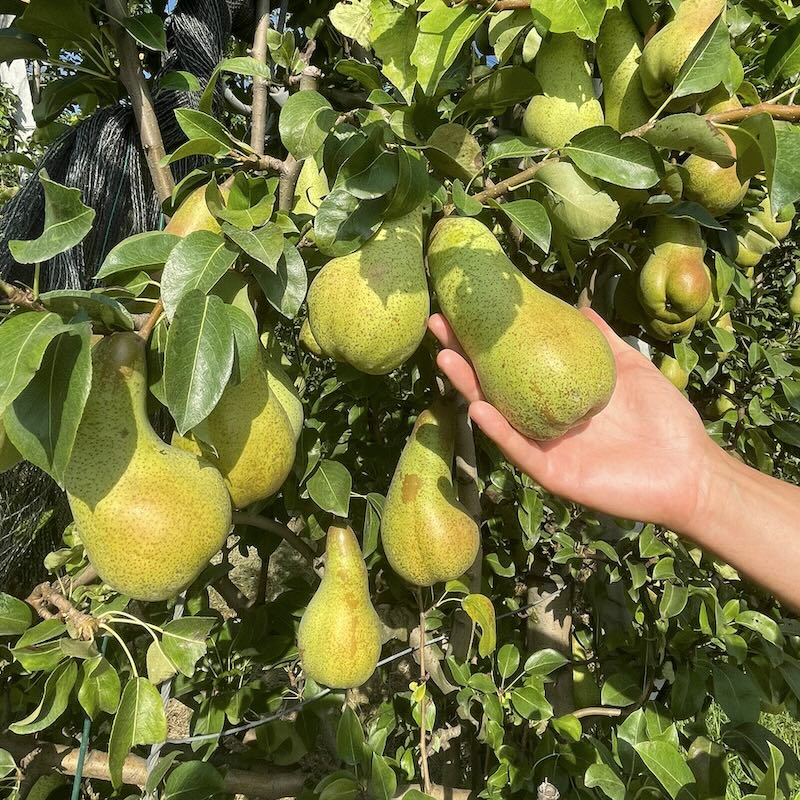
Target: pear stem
pixel 423 706
pixel 108 629
pixel 152 320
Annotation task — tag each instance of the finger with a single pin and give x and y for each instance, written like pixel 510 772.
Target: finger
pixel 440 328
pixel 525 453
pixel 616 343
pixel 461 374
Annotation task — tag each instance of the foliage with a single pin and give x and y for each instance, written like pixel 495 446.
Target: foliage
pixel 672 659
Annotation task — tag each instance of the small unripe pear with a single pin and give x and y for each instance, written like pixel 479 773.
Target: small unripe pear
pixel 794 301
pixel 674 372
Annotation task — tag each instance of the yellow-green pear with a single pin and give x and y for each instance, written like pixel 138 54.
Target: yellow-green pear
pixel 794 301
pixel 567 104
pixel 619 50
pixel 667 331
pixel 249 436
pixel 674 372
pixel 193 214
pixel 674 283
pixel 781 227
pixel 150 515
pixel 706 312
pixel 286 393
pixel 540 362
pixel 9 455
pixel 308 342
pixel 370 308
pixel 427 535
pixel 717 188
pixel 311 189
pixel 665 54
pixel 339 637
pixel 455 152
pixel 753 244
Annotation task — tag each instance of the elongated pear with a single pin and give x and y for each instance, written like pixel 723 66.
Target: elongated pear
pixel 781 227
pixel 674 372
pixel 193 214
pixel 665 54
pixel 427 535
pixel 339 637
pixel 370 308
pixel 9 455
pixel 250 436
pixel 540 362
pixel 619 50
pixel 674 283
pixel 150 515
pixel 717 188
pixel 567 104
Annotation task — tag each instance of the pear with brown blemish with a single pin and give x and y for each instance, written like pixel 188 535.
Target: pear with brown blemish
pixel 540 362
pixel 428 537
pixel 150 515
pixel 339 637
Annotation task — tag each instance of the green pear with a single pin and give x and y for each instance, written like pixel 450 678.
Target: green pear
pixel 717 188
pixel 794 301
pixel 307 341
pixel 781 227
pixel 370 308
pixel 674 284
pixel 706 312
pixel 540 362
pixel 284 389
pixel 455 152
pixel 669 332
pixel 619 50
pixel 9 455
pixel 575 203
pixel 428 537
pixel 250 437
pixel 674 372
pixel 665 54
pixel 339 637
pixel 753 244
pixel 567 104
pixel 193 214
pixel 311 189
pixel 150 515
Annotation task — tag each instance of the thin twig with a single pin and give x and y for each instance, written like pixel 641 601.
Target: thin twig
pixel 270 525
pixel 49 603
pixel 20 296
pixel 423 706
pixel 509 183
pixel 258 119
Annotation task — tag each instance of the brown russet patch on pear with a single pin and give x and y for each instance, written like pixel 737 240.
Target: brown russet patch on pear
pixel 411 487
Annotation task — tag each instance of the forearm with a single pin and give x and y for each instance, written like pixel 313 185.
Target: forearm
pixel 751 521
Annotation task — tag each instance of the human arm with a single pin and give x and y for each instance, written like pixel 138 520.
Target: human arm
pixel 646 456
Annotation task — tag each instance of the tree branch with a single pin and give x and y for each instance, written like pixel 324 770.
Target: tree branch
pixel 509 183
pixel 49 603
pixel 20 296
pixel 270 525
pixel 258 123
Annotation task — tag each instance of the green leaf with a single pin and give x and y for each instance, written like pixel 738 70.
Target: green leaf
pixel 366 74
pixel 501 89
pixel 382 780
pixel 250 202
pixel 782 59
pixel 441 34
pixel 140 251
pixel 394 34
pixel 159 666
pixel 582 17
pixel 195 147
pixel 530 702
pixel 197 262
pixel 99 688
pixel 543 662
pixel 505 146
pixel 15 616
pixel 329 487
pixel 43 420
pixel 736 693
pixel 673 601
pixel 7 764
pixel 184 641
pixel 180 81
pixel 604 778
pixel 199 125
pixel 707 64
pixel 148 30
pixel 194 780
pixel 66 221
pixel 760 623
pixel 344 223
pixel 787 432
pixel 669 766
pixel 603 153
pixel 465 204
pixel 24 339
pixel 264 244
pixel 305 121
pixel 369 172
pixel 507 660
pixel 621 688
pixel 691 133
pixel 15 44
pixel 17 159
pixel 353 20
pixel 62 21
pixel 349 737
pixel 140 719
pixel 198 360
pixel 531 218
pixel 80 303
pixel 54 700
pixel 411 188
pixel 286 287
pixel 480 610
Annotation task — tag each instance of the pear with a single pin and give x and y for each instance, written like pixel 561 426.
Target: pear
pixel 674 372
pixel 544 365
pixel 794 301
pixel 753 244
pixel 250 436
pixel 665 54
pixel 779 228
pixel 308 342
pixel 286 393
pixel 455 152
pixel 567 104
pixel 370 308
pixel 311 189
pixel 717 188
pixel 619 49
pixel 339 637
pixel 9 455
pixel 674 284
pixel 706 312
pixel 428 537
pixel 193 214
pixel 150 515
pixel 669 332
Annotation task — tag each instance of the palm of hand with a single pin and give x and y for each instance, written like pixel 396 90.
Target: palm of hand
pixel 639 458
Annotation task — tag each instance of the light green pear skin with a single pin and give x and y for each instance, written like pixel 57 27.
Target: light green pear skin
pixel 307 341
pixel 286 393
pixel 781 227
pixel 339 637
pixel 717 188
pixel 193 214
pixel 674 373
pixel 673 283
pixel 668 332
pixel 150 515
pixel 707 311
pixel 619 50
pixel 252 439
pixel 9 455
pixel 540 362
pixel 665 54
pixel 754 243
pixel 794 301
pixel 370 308
pixel 567 105
pixel 427 535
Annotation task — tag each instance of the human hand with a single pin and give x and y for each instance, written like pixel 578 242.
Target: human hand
pixel 645 456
